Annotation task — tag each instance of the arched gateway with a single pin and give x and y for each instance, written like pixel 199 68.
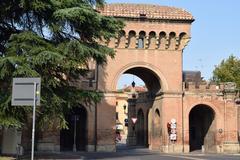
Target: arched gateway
pixel 202 128
pixel 150 47
pixel 170 118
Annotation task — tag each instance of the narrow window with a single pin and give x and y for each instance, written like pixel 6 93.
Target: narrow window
pixel 141 39
pixel 140 42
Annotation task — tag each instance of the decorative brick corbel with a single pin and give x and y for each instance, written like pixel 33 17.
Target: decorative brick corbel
pixel 184 42
pixel 157 42
pixel 147 42
pixel 136 44
pixel 126 42
pixel 167 42
pixel 177 43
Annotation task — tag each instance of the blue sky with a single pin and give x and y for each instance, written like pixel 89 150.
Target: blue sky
pixel 215 33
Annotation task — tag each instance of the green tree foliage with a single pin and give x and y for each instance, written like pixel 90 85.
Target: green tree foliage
pixel 228 71
pixel 54 40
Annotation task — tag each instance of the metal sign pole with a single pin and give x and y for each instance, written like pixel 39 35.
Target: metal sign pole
pixel 33 119
pixel 26 92
pixel 74 136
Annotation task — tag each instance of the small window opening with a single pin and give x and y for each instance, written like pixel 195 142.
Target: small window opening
pixel 140 42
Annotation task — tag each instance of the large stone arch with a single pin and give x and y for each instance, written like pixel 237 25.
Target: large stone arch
pixel 155 70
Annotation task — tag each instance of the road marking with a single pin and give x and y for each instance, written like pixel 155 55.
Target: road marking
pixel 185 157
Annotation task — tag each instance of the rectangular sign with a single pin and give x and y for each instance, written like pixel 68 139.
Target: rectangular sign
pixel 23 91
pixel 173 137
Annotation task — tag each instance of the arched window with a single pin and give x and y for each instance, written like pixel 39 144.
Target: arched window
pixel 152 40
pixel 162 40
pixel 132 39
pixel 141 39
pixel 183 38
pixel 121 39
pixel 172 41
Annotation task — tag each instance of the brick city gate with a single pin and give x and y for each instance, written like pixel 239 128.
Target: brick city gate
pixel 151 47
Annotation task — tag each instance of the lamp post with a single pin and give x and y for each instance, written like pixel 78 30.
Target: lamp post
pixel 75 119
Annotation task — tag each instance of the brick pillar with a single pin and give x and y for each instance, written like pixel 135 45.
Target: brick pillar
pixel 172 109
pixel 106 123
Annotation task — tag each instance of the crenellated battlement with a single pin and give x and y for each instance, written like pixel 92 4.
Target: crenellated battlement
pixel 209 86
pixel 227 90
pixel 149 26
pixel 161 40
pixel 202 86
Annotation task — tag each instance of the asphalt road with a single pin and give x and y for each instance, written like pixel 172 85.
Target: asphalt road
pixel 134 154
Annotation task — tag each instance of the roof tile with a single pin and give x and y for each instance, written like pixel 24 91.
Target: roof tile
pixel 151 11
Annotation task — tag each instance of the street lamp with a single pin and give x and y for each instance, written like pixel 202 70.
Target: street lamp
pixel 133 84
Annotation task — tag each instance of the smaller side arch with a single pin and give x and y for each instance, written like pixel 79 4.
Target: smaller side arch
pixel 215 109
pixel 202 128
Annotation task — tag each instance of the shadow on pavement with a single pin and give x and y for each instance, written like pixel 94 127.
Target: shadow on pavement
pixel 122 152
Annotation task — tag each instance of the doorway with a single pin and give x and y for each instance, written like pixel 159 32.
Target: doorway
pixel 75 137
pixel 201 128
